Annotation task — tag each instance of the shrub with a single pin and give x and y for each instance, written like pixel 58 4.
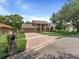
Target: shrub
pixel 21 45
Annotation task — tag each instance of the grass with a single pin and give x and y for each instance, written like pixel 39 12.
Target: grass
pixel 61 33
pixel 3 46
pixel 21 44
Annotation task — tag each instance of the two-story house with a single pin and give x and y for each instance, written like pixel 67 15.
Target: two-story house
pixel 36 26
pixel 41 25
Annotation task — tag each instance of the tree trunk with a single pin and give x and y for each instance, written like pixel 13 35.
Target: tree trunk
pixel 77 28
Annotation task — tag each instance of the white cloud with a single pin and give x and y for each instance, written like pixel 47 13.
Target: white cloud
pixel 3 1
pixel 3 11
pixel 25 6
pixel 25 17
pixel 22 6
pixel 30 18
pixel 40 18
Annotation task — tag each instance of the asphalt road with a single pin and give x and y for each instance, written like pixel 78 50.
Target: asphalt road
pixel 65 44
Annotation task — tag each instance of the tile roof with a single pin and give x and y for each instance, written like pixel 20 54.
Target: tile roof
pixel 5 26
pixel 28 26
pixel 39 22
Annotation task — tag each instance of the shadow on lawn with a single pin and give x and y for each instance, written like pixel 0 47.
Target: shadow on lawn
pixel 73 36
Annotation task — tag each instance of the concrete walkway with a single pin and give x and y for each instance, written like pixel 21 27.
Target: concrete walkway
pixel 37 41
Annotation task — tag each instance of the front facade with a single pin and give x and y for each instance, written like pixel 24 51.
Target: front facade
pixel 41 25
pixel 36 26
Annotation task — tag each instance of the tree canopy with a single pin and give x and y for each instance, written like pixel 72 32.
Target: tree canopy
pixel 13 20
pixel 68 13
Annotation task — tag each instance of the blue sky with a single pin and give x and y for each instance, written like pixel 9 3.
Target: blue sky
pixel 31 9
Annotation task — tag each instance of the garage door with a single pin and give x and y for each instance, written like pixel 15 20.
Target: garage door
pixel 29 30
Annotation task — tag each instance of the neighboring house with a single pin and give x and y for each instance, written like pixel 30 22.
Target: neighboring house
pixel 70 27
pixel 28 28
pixel 4 28
pixel 36 26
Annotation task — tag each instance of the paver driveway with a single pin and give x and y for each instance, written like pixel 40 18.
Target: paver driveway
pixel 35 40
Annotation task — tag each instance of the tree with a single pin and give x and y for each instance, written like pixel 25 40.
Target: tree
pixel 13 20
pixel 68 13
pixel 16 21
pixel 27 22
pixel 1 18
pixel 7 20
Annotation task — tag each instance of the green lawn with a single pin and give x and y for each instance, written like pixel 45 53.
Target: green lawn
pixel 60 33
pixel 21 44
pixel 3 46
